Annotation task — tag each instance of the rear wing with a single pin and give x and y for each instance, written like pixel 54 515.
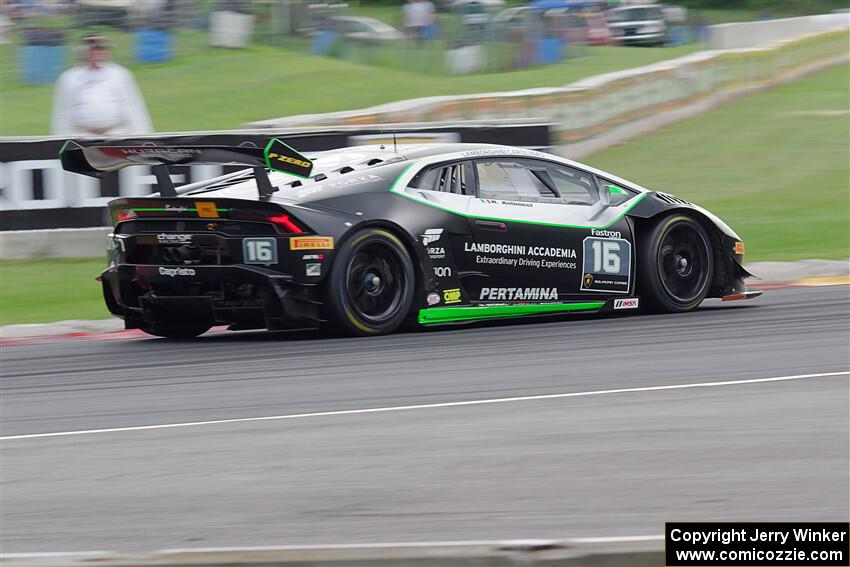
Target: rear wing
pixel 95 161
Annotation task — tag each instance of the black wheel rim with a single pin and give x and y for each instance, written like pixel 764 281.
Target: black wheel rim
pixel 375 282
pixel 683 262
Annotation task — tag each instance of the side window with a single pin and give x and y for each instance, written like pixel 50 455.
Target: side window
pixel 575 187
pixel 537 181
pixel 455 178
pixel 510 180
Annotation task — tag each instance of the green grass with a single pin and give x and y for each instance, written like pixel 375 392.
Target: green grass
pixel 54 289
pixel 773 165
pixel 216 89
pixel 722 11
pixel 388 14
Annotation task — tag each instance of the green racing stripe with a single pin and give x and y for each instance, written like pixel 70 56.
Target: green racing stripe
pixel 395 190
pixel 163 209
pixel 434 315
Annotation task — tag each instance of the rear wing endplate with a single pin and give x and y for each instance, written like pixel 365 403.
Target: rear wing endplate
pixel 95 161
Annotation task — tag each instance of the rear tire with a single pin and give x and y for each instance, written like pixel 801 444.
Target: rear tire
pixel 174 331
pixel 676 265
pixel 369 290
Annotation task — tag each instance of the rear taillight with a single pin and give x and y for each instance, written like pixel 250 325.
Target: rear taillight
pixel 123 215
pixel 286 223
pixel 283 222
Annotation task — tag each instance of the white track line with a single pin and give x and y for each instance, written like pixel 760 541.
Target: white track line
pixel 500 543
pixel 517 542
pixel 429 406
pixel 616 539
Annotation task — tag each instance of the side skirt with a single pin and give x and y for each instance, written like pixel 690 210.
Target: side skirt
pixel 438 315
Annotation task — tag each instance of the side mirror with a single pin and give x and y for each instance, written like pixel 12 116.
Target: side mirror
pixel 612 195
pixel 608 195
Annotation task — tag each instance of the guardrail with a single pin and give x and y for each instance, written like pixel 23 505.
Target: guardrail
pixel 56 243
pixel 38 194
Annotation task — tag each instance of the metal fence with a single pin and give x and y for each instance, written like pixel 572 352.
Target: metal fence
pixel 39 37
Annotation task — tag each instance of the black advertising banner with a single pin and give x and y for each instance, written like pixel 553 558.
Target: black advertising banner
pixel 757 544
pixel 36 193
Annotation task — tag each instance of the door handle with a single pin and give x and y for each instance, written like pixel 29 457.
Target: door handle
pixel 491 225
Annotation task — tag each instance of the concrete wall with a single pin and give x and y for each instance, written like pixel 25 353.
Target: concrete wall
pixel 589 108
pixel 765 32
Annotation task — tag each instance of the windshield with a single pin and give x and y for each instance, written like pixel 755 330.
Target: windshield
pixel 635 15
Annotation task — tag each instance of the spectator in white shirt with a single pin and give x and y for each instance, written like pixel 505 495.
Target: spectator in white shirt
pixel 99 98
pixel 418 17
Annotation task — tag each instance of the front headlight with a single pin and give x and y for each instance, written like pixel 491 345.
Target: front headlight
pixel 651 28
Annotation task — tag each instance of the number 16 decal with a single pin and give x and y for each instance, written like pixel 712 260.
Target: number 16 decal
pixel 607 265
pixel 606 256
pixel 259 250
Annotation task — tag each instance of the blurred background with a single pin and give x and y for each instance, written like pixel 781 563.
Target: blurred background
pixel 190 55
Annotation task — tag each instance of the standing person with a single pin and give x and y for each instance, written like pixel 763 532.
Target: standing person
pixel 98 98
pixel 418 17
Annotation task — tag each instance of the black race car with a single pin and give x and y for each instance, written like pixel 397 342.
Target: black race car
pixel 361 240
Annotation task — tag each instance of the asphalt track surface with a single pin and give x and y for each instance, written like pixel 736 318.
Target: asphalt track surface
pixel 605 464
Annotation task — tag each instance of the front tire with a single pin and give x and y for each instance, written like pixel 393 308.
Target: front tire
pixel 369 289
pixel 676 266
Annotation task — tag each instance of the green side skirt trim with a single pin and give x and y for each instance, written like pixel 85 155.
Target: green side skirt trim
pixel 436 315
pixel 163 209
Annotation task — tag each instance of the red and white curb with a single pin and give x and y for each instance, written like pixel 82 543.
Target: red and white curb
pixel 103 329
pixel 99 330
pixel 75 336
